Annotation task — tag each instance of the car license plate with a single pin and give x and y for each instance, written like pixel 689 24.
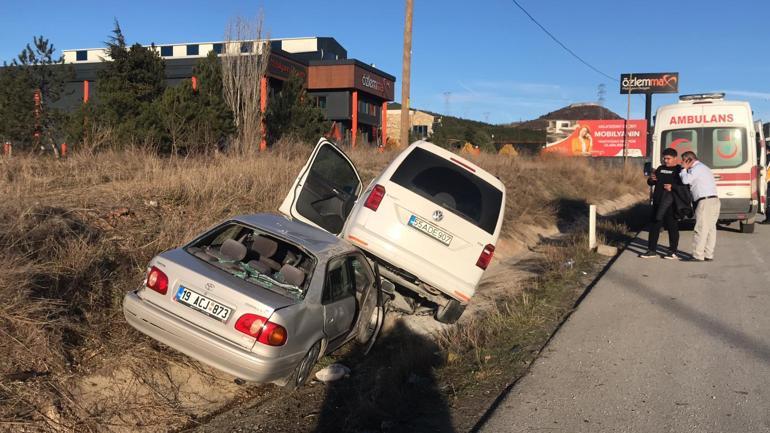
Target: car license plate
pixel 430 230
pixel 203 304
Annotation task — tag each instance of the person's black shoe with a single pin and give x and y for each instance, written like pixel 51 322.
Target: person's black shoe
pixel 648 255
pixel 709 259
pixel 671 256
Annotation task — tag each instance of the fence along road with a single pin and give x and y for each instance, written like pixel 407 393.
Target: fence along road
pixel 658 346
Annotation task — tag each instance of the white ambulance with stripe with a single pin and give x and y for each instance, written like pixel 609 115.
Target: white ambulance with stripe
pixel 725 137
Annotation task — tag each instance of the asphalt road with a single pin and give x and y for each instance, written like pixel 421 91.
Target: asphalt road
pixel 658 346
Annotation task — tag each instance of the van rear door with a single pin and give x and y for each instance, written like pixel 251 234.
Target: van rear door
pixel 441 214
pixel 325 190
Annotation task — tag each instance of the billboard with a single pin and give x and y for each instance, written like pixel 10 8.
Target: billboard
pixel 659 82
pixel 598 138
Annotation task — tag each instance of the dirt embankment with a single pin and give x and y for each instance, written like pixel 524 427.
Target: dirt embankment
pixel 75 235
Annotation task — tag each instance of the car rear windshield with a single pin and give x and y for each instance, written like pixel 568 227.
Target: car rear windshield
pixel 257 257
pixel 451 187
pixel 715 147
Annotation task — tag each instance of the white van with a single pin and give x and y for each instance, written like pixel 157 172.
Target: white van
pixel 725 137
pixel 431 219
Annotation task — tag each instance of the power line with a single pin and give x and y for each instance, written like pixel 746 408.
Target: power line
pixel 560 43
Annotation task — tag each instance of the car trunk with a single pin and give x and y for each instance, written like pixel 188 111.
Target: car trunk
pixel 187 273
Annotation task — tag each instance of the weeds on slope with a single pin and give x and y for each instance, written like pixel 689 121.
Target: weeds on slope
pixel 76 234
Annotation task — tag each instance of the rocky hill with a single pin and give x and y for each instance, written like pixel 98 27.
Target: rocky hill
pixel 582 111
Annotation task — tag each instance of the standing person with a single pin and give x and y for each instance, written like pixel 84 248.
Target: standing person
pixel 668 184
pixel 707 206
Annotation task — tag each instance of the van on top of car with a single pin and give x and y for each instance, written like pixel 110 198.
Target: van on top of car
pixel 725 137
pixel 431 219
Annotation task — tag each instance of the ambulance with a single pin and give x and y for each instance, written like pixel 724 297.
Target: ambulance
pixel 726 138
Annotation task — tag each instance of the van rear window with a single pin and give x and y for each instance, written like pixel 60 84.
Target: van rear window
pixel 451 187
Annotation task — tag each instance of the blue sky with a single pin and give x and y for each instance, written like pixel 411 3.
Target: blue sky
pixel 495 62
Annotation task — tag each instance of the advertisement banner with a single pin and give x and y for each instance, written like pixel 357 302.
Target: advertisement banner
pixel 659 82
pixel 598 138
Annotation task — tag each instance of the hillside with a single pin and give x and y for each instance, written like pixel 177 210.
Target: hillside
pixel 454 131
pixel 571 112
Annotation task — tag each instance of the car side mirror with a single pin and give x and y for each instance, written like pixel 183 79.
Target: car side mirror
pixel 387 286
pixel 384 285
pixel 647 168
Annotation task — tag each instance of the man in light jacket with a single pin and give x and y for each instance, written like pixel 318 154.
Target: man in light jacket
pixel 707 206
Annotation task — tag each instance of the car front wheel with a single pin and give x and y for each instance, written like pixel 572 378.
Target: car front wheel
pixel 367 323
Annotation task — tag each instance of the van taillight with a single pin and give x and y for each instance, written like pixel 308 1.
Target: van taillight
pixel 375 197
pixel 258 327
pixel 157 280
pixel 486 256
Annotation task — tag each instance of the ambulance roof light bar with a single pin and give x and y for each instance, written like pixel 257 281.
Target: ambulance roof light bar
pixel 702 96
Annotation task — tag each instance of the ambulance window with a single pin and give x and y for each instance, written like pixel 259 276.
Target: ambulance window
pixel 728 147
pixel 682 140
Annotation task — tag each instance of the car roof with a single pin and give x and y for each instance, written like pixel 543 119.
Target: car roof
pixel 315 240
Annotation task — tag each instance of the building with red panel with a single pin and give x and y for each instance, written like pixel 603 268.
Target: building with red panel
pixel 352 94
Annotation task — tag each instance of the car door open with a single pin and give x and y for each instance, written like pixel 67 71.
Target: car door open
pixel 325 190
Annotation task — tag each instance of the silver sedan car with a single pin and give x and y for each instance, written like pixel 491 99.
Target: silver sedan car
pixel 260 297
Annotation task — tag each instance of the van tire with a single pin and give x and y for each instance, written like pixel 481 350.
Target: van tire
pixel 450 312
pixel 747 227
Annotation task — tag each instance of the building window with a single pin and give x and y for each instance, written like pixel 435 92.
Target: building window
pixel 81 55
pixel 218 48
pixel 192 50
pixel 420 131
pixel 320 102
pixel 166 51
pixel 247 47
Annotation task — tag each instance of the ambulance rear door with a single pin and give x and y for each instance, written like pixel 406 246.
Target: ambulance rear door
pixel 761 167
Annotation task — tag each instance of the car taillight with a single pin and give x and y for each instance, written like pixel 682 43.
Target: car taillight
pixel 375 197
pixel 157 280
pixel 486 256
pixel 258 327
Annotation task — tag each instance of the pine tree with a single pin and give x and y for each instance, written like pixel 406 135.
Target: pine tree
pixel 197 121
pixel 34 69
pixel 291 112
pixel 127 87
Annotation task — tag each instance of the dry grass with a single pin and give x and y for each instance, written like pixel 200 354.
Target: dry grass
pixel 75 236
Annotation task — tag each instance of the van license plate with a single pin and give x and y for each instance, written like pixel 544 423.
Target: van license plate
pixel 430 230
pixel 203 304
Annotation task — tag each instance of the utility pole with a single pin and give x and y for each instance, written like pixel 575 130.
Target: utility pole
pixel 447 97
pixel 405 72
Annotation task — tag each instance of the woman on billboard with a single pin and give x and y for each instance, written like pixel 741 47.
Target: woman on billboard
pixel 581 145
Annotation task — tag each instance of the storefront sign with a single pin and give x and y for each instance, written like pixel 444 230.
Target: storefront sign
pixel 280 67
pixel 373 83
pixel 600 138
pixel 662 82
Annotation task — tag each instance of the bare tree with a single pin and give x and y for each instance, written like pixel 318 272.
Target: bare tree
pixel 244 63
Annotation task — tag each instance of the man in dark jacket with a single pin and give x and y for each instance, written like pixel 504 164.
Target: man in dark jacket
pixel 667 205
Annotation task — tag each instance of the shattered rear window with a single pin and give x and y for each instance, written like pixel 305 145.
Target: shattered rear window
pixel 230 247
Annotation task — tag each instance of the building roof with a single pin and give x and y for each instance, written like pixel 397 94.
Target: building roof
pixel 356 62
pixel 306 48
